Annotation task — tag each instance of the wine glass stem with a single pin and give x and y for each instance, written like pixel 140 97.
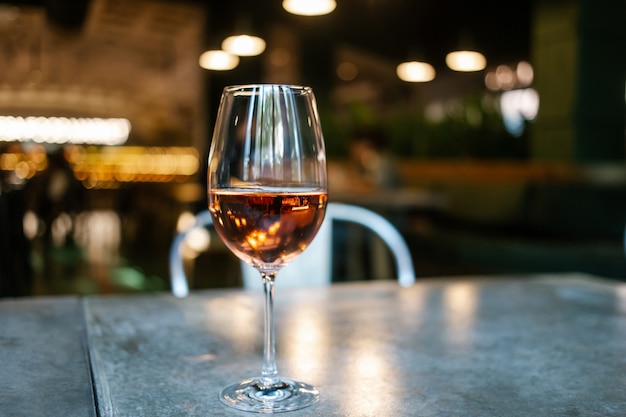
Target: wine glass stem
pixel 269 370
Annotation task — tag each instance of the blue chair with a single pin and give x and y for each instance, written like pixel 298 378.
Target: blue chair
pixel 314 266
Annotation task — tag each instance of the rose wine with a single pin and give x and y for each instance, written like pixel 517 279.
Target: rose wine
pixel 267 228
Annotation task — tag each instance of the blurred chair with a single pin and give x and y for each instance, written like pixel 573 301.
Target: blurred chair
pixel 314 266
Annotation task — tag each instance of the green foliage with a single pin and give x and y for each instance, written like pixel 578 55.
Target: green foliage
pixel 468 128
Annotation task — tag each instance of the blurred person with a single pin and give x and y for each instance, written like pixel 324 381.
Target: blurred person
pixel 374 163
pixel 373 170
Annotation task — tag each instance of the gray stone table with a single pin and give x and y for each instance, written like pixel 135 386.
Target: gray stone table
pixel 551 345
pixel 44 367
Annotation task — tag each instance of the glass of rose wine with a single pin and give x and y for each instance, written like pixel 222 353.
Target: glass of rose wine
pixel 267 193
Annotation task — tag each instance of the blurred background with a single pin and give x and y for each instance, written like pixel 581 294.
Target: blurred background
pixel 509 161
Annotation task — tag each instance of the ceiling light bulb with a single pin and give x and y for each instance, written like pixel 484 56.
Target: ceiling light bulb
pixel 466 61
pixel 415 72
pixel 218 60
pixel 244 45
pixel 309 7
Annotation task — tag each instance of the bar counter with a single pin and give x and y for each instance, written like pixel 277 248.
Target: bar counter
pixel 540 345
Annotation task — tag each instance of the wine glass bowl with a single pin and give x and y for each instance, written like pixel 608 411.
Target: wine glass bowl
pixel 267 193
pixel 266 228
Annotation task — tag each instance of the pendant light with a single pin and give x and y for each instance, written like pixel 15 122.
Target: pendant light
pixel 309 7
pixel 244 45
pixel 415 72
pixel 466 58
pixel 218 60
pixel 243 42
pixel 466 61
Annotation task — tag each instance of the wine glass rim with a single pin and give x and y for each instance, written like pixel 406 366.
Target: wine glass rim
pixel 251 88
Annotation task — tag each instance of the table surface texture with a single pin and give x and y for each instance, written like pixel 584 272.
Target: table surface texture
pixel 44 367
pixel 472 346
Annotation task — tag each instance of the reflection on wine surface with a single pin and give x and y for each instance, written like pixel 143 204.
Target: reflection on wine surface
pixel 267 228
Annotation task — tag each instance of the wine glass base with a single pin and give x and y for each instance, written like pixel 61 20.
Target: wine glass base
pixel 259 396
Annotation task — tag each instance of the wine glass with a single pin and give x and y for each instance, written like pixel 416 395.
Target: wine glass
pixel 267 192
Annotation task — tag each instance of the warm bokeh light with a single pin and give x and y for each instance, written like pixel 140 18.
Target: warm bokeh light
pixel 415 72
pixel 508 77
pixel 217 60
pixel 99 232
pixel 505 77
pixel 61 130
pixel 491 82
pixel 198 240
pixel 24 164
pixel 186 219
pixel 107 167
pixel 32 225
pixel 466 61
pixel 309 7
pixel 61 227
pixel 525 73
pixel 244 45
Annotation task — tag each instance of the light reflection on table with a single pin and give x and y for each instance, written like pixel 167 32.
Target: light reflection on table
pixel 460 301
pixel 512 346
pixel 305 341
pixel 365 380
pixel 234 318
